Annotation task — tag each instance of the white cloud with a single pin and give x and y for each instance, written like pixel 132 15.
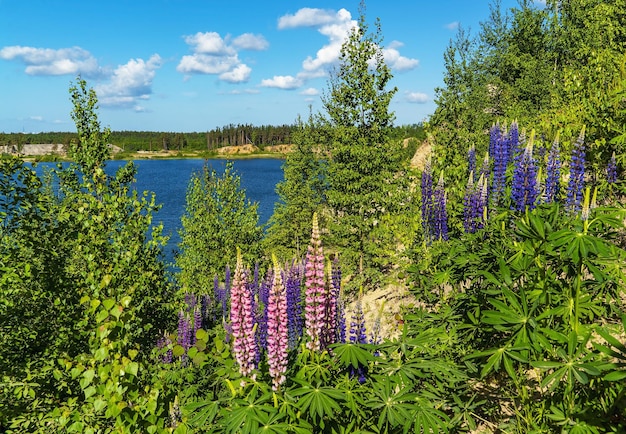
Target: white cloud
pixel 36 118
pixel 306 17
pixel 48 61
pixel 282 82
pixel 396 61
pixel 129 83
pixel 311 91
pixel 452 26
pixel 416 97
pixel 249 41
pixel 336 27
pixel 209 43
pixel 239 74
pixel 215 55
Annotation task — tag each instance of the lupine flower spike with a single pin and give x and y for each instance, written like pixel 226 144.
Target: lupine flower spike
pixel 427 201
pixel 440 211
pixel 315 292
pixel 242 320
pixel 611 170
pixel 277 335
pixel 576 174
pixel 524 189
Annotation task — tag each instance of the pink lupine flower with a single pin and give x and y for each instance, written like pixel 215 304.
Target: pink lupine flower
pixel 277 334
pixel 242 320
pixel 316 293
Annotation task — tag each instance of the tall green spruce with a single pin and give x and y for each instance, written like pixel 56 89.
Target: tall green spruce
pixel 364 183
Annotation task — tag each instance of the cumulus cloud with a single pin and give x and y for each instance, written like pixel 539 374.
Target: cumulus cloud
pixel 48 61
pixel 129 83
pixel 123 86
pixel 395 60
pixel 282 82
pixel 311 91
pixel 249 41
pixel 416 97
pixel 213 54
pixel 307 17
pixel 237 75
pixel 452 26
pixel 336 27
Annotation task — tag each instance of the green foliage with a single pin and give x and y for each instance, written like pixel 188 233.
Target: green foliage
pixel 365 168
pixel 526 297
pixel 301 193
pixel 83 297
pixel 218 218
pixel 91 150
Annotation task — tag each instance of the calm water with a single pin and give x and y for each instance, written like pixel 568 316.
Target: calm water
pixel 168 179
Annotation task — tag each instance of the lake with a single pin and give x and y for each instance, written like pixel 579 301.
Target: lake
pixel 168 179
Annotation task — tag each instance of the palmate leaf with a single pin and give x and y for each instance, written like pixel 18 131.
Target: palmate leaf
pixel 427 418
pixel 392 403
pixel 320 402
pixel 352 355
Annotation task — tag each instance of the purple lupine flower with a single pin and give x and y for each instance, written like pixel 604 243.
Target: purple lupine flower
pixel 553 172
pixel 440 212
pixel 500 157
pixel 611 170
pixel 184 330
pixel 190 301
pixel 242 320
pixel 427 200
pixel 524 187
pixel 162 343
pixel 576 182
pixel 358 332
pixel 335 282
pixel 358 335
pixel 277 335
pixel 315 290
pixel 468 215
pixel 293 286
pixel 197 323
pixel 471 160
pixel 264 292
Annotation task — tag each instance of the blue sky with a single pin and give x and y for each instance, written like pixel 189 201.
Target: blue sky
pixel 193 65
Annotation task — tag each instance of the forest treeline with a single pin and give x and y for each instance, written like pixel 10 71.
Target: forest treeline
pixel 228 135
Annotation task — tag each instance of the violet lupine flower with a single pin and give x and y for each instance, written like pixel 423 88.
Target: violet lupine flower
pixel 440 220
pixel 358 335
pixel 293 285
pixel 500 149
pixel 576 182
pixel 427 201
pixel 335 293
pixel 471 160
pixel 162 343
pixel 611 170
pixel 314 290
pixel 329 334
pixel 524 187
pixel 264 292
pixel 242 320
pixel 474 205
pixel 553 172
pixel 277 334
pixel 515 145
pixel 185 330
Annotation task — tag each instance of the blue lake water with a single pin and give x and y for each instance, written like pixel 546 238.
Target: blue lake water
pixel 168 179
